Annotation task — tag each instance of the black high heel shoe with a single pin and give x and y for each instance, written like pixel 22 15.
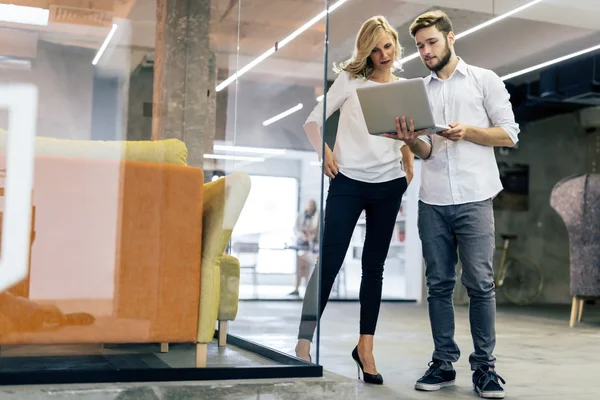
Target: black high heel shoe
pixel 368 378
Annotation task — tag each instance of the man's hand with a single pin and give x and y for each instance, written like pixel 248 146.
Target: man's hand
pixel 456 132
pixel 404 132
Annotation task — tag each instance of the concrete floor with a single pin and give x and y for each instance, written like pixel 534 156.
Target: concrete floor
pixel 538 354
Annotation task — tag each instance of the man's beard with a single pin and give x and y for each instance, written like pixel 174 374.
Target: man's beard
pixel 443 61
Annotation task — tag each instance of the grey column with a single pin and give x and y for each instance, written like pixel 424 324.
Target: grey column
pixel 184 98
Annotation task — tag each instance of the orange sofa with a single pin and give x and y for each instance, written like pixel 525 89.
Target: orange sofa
pixel 120 255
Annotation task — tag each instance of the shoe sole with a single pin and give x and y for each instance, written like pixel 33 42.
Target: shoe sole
pixel 489 395
pixel 432 388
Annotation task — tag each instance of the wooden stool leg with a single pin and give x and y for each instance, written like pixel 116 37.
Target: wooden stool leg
pixel 223 325
pixel 574 312
pixel 580 310
pixel 201 354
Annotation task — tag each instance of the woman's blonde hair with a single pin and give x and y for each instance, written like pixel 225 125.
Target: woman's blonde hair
pixel 360 64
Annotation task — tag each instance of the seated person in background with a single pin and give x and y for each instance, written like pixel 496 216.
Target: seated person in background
pixel 307 235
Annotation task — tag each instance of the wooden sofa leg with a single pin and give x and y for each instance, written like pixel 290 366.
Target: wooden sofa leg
pixel 201 354
pixel 574 312
pixel 164 347
pixel 580 310
pixel 223 326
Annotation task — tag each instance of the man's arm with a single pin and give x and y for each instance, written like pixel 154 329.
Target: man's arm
pixel 421 148
pixel 496 101
pixel 408 162
pixel 495 136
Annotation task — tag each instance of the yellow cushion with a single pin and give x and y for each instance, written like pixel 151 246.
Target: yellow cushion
pixel 223 202
pixel 214 242
pixel 169 151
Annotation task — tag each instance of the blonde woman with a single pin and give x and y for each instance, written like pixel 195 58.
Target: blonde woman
pixel 367 173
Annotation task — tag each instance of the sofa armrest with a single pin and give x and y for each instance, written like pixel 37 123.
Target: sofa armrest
pixel 224 200
pixel 230 288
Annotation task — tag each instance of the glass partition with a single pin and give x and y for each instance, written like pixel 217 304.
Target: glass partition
pixel 273 83
pixel 138 179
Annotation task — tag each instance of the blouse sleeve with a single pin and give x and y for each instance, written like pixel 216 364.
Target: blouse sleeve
pixel 336 95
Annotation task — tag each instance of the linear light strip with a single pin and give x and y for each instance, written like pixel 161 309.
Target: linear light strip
pixel 498 18
pixel 250 150
pixel 480 26
pixel 233 158
pixel 548 63
pixel 245 69
pixel 283 114
pixel 280 44
pixel 107 40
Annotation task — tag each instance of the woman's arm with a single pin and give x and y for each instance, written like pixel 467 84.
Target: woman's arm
pixel 313 132
pixel 408 162
pixel 335 97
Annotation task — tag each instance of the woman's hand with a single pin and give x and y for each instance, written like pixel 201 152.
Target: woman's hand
pixel 330 164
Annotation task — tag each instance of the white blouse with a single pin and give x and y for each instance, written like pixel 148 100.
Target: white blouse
pixel 360 156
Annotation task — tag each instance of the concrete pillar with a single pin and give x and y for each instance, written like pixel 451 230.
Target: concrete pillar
pixel 184 98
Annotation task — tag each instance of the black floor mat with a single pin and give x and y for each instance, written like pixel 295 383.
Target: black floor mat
pixel 81 363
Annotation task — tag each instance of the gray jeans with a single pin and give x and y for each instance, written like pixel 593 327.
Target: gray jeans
pixel 468 228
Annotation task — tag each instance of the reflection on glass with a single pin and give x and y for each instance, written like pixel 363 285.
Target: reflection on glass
pixel 122 228
pixel 306 245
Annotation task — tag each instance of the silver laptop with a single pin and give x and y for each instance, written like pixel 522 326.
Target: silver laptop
pixel 381 104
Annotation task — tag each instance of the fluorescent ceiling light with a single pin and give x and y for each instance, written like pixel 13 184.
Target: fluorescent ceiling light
pixel 14 63
pixel 283 114
pixel 113 29
pixel 280 45
pixel 480 26
pixel 24 15
pixel 251 150
pixel 498 18
pixel 547 63
pixel 315 163
pixel 233 158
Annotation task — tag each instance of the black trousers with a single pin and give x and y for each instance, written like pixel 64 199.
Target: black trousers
pixel 346 199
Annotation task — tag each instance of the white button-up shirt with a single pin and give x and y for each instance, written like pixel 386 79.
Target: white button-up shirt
pixel 463 172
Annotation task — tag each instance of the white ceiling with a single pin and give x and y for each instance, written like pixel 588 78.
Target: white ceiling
pixel 546 30
pixel 549 29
